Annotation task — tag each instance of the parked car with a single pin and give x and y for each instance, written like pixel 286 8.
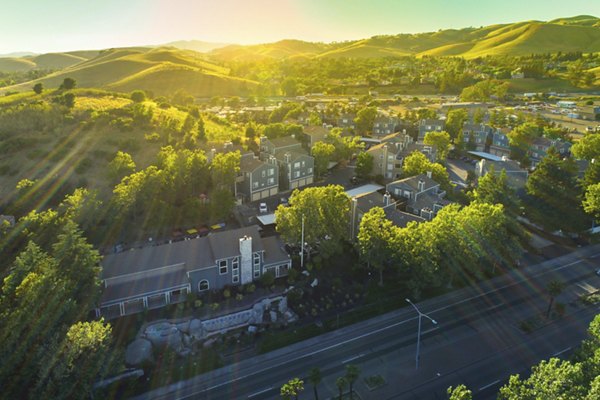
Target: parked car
pixel 284 201
pixel 262 208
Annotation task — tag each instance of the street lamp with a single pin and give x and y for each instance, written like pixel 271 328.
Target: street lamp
pixel 419 329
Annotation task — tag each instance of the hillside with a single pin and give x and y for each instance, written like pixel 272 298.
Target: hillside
pixel 44 61
pixel 195 45
pixel 581 33
pixel 162 71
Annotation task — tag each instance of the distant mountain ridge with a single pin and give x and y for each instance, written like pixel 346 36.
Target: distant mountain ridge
pixel 580 33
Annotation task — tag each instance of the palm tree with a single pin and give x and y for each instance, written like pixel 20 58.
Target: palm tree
pixel 352 373
pixel 554 288
pixel 341 384
pixel 314 377
pixel 292 388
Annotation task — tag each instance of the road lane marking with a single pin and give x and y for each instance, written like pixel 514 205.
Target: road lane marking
pixel 496 306
pixel 489 385
pixel 261 392
pixel 431 330
pixel 558 353
pixel 595 255
pixel 352 358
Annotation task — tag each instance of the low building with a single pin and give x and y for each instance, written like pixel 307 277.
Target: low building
pixel 259 179
pixel 540 146
pixel 421 195
pixel 296 167
pixel 390 152
pixel 430 125
pixel 384 125
pixel 155 276
pixel 516 177
pixel 315 134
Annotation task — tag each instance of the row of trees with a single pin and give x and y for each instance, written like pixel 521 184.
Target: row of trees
pixel 295 386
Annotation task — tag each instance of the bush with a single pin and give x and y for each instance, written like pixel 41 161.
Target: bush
pixel 227 293
pixel 137 96
pixel 83 166
pixel 152 137
pixel 267 279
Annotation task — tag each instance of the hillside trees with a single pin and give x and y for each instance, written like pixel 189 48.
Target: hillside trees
pixel 364 164
pixel 375 240
pixel 591 202
pixel 38 88
pixel 120 166
pixel 68 84
pixel 493 189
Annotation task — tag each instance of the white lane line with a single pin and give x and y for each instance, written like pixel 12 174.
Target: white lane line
pixel 352 358
pixel 496 306
pixel 595 255
pixel 558 353
pixel 261 392
pixel 431 330
pixel 489 385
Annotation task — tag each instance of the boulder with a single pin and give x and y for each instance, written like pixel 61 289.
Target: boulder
pixel 283 305
pixel 196 329
pixel 164 334
pixel 138 352
pixel 273 316
pixel 256 317
pixel 184 326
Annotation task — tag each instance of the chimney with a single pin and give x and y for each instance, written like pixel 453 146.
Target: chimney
pixel 387 199
pixel 287 157
pixel 421 185
pixel 227 145
pixel 429 174
pixel 213 153
pixel 246 259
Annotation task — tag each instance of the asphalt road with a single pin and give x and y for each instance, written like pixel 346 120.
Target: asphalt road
pixel 477 342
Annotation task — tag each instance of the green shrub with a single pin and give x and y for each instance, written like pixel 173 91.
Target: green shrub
pixel 267 279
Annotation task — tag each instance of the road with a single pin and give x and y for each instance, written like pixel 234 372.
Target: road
pixel 477 342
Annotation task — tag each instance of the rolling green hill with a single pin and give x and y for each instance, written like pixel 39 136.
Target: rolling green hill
pixel 162 71
pixel 581 33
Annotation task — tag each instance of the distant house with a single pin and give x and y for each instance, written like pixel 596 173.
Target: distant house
pixel 315 134
pixel 384 125
pixel 346 121
pixel 259 179
pixel 154 276
pixel 226 147
pixel 430 125
pixel 516 177
pixel 421 194
pixel 540 146
pixel 296 167
pixel 486 139
pixel 364 203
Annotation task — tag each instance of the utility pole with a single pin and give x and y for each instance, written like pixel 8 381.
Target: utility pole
pixel 419 330
pixel 302 245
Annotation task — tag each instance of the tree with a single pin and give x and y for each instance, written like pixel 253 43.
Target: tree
pixel 120 166
pixel 315 377
pixel 364 164
pixel 292 388
pixel 138 96
pixel 325 211
pixel 68 84
pixel 554 195
pixel 364 120
pixel 441 140
pixel 591 203
pixel 352 374
pixel 341 383
pixel 417 163
pixel 38 88
pixel 68 99
pixel 289 87
pixel 521 138
pixel 554 288
pixel 493 189
pixel 587 148
pixel 460 392
pixel 224 168
pixel 375 237
pixel 455 119
pixel 322 152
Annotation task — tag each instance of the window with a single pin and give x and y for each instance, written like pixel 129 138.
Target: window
pixel 271 171
pixel 297 164
pixel 303 164
pixel 255 184
pixel 264 173
pixel 203 285
pixel 271 181
pixel 235 270
pixel 310 170
pixel 297 174
pixel 223 267
pixel 256 267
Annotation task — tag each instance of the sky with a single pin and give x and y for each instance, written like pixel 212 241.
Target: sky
pixel 42 26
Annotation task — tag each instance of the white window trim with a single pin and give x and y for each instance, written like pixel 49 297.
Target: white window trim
pixel 220 267
pixel 207 285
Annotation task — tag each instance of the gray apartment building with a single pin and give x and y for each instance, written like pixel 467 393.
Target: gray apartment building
pixel 296 167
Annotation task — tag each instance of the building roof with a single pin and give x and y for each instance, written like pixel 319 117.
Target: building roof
pixel 295 153
pixel 413 182
pixel 401 218
pixel 428 200
pixel 316 130
pixel 362 190
pixel 274 252
pixel 487 156
pixel 284 141
pixel 193 254
pixel 249 164
pixel 366 202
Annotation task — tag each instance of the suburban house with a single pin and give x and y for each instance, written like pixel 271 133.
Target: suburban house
pixel 480 135
pixel 257 179
pixel 296 167
pixel 155 276
pixel 430 125
pixel 516 177
pixel 364 203
pixel 540 146
pixel 384 125
pixel 346 121
pixel 420 194
pixel 315 134
pixel 389 154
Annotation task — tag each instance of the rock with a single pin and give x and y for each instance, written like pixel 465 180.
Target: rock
pixel 138 352
pixel 196 329
pixel 187 340
pixel 290 317
pixel 184 326
pixel 257 313
pixel 252 329
pixel 283 305
pixel 273 316
pixel 164 334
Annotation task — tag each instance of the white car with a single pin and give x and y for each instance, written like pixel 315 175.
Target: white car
pixel 262 208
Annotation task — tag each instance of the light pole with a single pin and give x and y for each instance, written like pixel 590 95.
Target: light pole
pixel 419 329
